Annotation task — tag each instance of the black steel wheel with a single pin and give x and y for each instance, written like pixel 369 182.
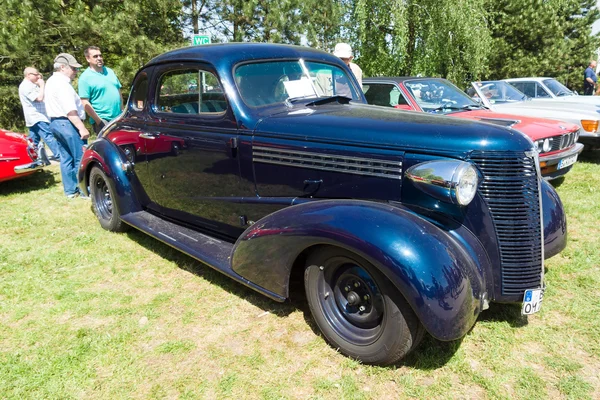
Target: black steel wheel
pixel 357 308
pixel 102 193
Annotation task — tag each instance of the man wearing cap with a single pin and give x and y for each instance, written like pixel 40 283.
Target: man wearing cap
pixel 31 94
pixel 344 51
pixel 66 113
pixel 99 89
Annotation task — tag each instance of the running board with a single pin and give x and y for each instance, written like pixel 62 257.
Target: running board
pixel 208 250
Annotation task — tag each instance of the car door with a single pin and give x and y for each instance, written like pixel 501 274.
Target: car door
pixel 387 95
pixel 191 151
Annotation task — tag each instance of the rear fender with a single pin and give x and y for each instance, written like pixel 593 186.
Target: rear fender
pixel 439 273
pixel 112 161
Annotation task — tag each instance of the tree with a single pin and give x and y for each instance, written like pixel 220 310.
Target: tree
pixel 542 38
pixel 130 32
pixel 409 37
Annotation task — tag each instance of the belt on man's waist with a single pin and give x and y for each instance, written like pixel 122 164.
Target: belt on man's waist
pixel 57 118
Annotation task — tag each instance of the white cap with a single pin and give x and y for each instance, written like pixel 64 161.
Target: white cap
pixel 342 50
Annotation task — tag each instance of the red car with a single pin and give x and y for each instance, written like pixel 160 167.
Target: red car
pixel 556 141
pixel 18 156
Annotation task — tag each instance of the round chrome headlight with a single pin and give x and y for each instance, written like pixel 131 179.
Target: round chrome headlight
pixel 536 146
pixel 466 183
pixel 452 181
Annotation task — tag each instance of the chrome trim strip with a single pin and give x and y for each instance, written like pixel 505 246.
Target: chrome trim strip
pixel 323 162
pixel 271 149
pixel 539 179
pixel 345 171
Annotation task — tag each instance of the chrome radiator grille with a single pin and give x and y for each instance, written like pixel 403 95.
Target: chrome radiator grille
pixel 510 188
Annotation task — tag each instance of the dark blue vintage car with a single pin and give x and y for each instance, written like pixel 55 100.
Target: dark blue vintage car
pixel 263 161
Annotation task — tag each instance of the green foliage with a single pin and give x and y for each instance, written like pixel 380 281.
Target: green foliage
pixel 542 38
pixel 129 32
pixel 11 114
pixel 448 39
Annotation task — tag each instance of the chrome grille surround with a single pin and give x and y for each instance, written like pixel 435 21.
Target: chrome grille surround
pixel 511 189
pixel 563 141
pixel 327 162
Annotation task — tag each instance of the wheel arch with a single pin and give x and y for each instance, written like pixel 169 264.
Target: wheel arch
pixel 443 281
pixel 110 159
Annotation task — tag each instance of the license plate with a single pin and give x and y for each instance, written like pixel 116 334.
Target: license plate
pixel 565 162
pixel 532 301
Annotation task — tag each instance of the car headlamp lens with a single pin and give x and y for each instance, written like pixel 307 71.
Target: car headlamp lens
pixel 451 181
pixel 546 146
pixel 536 146
pixel 466 187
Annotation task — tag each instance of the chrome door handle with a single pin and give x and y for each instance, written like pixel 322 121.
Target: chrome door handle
pixel 148 136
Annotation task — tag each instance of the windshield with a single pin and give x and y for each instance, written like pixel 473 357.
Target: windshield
pixel 272 82
pixel 499 92
pixel 557 88
pixel 439 96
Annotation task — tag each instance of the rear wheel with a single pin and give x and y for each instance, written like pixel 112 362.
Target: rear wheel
pixel 102 193
pixel 357 308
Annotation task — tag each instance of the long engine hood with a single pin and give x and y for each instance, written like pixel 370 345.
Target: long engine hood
pixel 360 124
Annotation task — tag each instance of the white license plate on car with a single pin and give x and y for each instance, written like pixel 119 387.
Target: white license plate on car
pixel 532 301
pixel 566 162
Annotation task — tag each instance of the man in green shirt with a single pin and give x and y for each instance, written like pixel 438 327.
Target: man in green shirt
pixel 100 90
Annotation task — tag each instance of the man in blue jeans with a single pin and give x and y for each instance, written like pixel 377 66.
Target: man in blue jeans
pixel 66 113
pixel 31 94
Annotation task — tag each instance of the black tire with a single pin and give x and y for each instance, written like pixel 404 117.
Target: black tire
pixel 175 149
pixel 102 193
pixel 338 283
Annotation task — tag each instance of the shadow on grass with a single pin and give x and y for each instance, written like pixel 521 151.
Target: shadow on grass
pixel 510 313
pixel 431 354
pixel 39 180
pixel 187 263
pixel 590 156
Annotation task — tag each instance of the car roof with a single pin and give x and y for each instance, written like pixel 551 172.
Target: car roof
pixel 537 78
pixel 233 53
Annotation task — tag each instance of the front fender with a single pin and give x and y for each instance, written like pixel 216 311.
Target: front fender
pixel 438 275
pixel 555 221
pixel 106 155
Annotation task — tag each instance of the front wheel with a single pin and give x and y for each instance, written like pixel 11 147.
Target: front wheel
pixel 357 308
pixel 102 193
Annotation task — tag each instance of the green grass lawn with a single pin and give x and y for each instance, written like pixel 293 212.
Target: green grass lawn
pixel 85 313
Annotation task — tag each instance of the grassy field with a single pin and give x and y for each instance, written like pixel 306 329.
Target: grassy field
pixel 85 313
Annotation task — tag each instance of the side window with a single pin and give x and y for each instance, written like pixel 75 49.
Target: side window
pixel 139 93
pixel 526 87
pixel 382 94
pixel 190 91
pixel 540 91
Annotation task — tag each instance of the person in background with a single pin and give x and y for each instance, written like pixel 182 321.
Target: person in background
pixel 344 51
pixel 66 113
pixel 99 89
pixel 589 79
pixel 31 94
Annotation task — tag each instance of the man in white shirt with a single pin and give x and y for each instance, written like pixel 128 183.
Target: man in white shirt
pixel 66 113
pixel 31 94
pixel 344 51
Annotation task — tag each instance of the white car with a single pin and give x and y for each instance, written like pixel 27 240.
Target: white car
pixel 502 97
pixel 550 89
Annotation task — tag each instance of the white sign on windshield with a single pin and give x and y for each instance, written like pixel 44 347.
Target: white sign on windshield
pixel 299 88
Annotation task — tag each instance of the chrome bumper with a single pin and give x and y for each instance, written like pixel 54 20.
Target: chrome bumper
pixel 30 167
pixel 555 158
